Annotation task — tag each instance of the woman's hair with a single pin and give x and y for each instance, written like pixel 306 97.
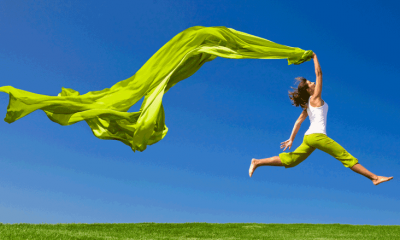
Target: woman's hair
pixel 300 95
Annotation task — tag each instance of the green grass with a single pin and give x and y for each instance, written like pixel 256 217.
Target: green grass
pixel 197 231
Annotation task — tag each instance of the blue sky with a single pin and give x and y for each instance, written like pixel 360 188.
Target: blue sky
pixel 228 112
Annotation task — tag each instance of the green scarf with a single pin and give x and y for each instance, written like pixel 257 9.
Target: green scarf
pixel 105 111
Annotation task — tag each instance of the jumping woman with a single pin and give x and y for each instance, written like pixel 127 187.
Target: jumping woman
pixel 308 96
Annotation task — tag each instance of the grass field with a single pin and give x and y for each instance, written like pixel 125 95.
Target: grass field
pixel 196 231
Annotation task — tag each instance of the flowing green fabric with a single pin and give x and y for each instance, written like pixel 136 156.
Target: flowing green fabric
pixel 105 111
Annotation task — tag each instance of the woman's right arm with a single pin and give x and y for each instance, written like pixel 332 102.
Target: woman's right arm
pixel 318 73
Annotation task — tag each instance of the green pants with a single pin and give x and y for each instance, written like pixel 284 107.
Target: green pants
pixel 322 142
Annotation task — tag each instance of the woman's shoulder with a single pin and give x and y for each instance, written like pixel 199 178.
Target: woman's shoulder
pixel 316 101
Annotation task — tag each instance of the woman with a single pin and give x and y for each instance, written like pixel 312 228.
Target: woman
pixel 308 96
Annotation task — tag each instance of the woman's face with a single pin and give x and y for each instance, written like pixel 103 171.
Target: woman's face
pixel 311 86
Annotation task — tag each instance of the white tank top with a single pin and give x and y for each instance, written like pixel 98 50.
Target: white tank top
pixel 317 117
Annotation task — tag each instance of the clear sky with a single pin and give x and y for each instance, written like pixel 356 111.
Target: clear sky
pixel 230 111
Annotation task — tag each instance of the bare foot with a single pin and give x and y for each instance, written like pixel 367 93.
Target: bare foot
pixel 381 179
pixel 252 167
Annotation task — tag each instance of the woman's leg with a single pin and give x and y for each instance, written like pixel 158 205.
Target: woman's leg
pixel 286 159
pixel 328 145
pixel 272 161
pixel 358 168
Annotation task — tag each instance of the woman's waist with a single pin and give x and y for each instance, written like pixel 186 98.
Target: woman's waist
pixel 318 123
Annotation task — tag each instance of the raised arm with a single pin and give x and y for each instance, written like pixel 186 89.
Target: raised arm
pixel 318 82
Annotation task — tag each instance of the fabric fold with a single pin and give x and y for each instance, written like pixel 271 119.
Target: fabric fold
pixel 105 111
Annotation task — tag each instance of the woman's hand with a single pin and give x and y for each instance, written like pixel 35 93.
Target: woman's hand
pixel 313 55
pixel 286 144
